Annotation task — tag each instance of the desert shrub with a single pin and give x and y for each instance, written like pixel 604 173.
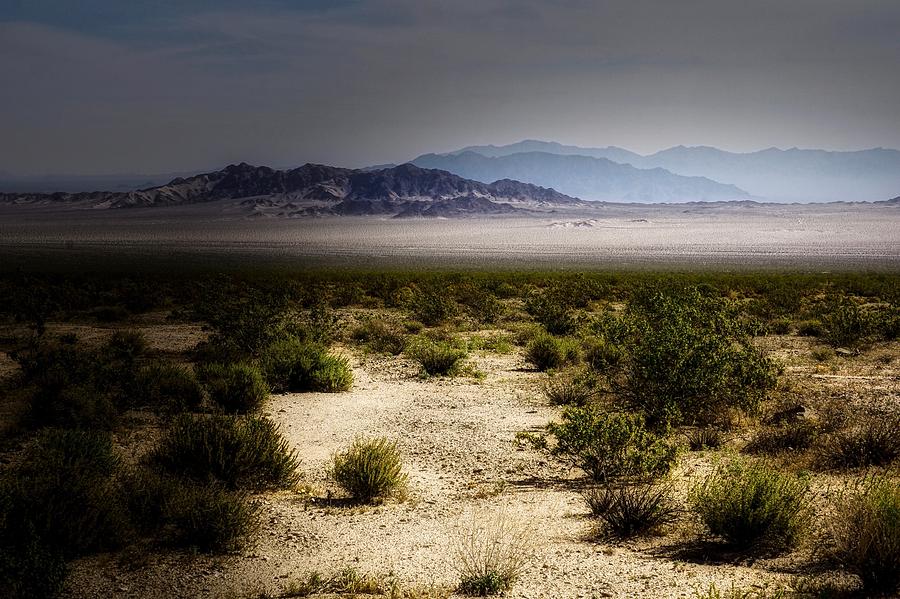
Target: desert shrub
pixel 864 535
pixel 347 581
pixel 751 504
pixel 481 304
pixel 110 313
pixel 369 470
pixel 125 346
pixel 436 358
pixel 689 361
pixel 291 364
pixel 235 388
pixel 185 513
pixel 240 452
pixel 822 354
pixel 631 510
pixel 213 519
pixel 547 352
pixel 713 592
pixel 845 323
pixel 332 374
pixel 60 501
pixel 810 328
pixel 431 304
pixel 76 406
pixel 380 337
pixel 490 554
pixel 798 435
pixel 870 441
pixel 167 387
pixel 704 437
pixel 29 568
pixel 553 310
pixel 610 445
pixel 571 389
pixel 601 354
pixel 244 320
pixel 885 322
pixel 780 326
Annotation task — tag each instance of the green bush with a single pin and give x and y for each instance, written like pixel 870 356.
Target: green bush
pixel 293 365
pixel 436 358
pixel 846 324
pixel 751 504
pixel 332 374
pixel 780 326
pixel 240 452
pixel 235 388
pixel 553 310
pixel 810 328
pixel 600 354
pixel 631 510
pixel 547 352
pixel 369 470
pixel 431 304
pixel 168 387
pixel 610 445
pixel 689 361
pixel 865 535
pixel 380 337
pixel 75 406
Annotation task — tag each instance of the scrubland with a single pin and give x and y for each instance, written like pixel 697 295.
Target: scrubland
pixel 421 434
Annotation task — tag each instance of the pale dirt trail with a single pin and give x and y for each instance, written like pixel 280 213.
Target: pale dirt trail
pixel 457 437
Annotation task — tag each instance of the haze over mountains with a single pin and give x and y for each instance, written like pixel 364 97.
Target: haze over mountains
pixel 792 175
pixel 585 177
pixel 612 174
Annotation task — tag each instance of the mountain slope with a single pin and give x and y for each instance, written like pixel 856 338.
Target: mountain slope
pixel 318 189
pixel 584 176
pixel 772 174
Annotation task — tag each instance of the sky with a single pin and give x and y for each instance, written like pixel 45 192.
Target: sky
pixel 154 86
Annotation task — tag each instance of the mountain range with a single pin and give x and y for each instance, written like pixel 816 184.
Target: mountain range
pixel 405 190
pixel 792 175
pixel 587 177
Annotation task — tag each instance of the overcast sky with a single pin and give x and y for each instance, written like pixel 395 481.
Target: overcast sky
pixel 148 86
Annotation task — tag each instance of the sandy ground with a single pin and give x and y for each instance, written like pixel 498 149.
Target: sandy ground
pixel 847 236
pixel 457 437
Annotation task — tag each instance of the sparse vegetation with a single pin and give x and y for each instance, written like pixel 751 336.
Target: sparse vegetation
pixel 162 444
pixel 369 470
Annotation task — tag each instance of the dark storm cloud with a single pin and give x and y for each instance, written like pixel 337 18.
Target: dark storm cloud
pixel 145 86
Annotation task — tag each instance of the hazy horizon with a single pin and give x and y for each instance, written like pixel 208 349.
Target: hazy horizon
pixel 108 88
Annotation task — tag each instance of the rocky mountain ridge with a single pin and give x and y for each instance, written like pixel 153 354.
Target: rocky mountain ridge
pixel 312 189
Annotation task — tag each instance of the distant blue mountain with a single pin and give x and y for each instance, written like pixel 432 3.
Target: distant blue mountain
pixel 585 177
pixel 773 174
